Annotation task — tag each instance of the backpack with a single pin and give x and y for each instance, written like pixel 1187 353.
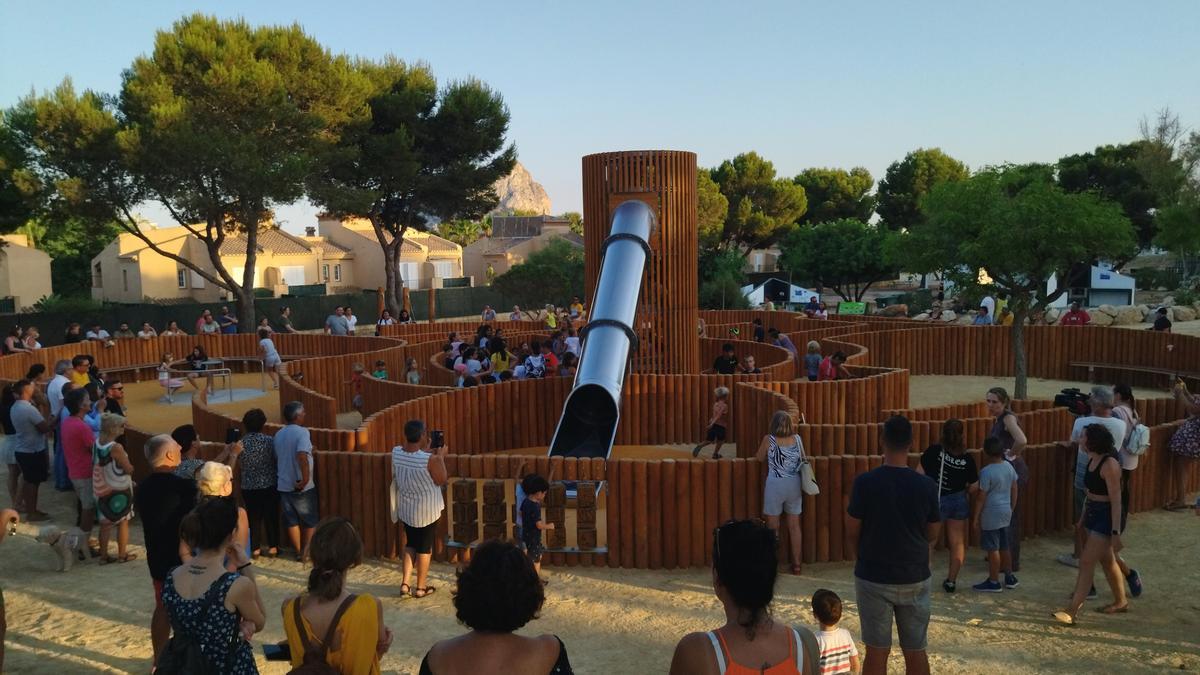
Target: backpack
pixel 1139 440
pixel 182 655
pixel 314 655
pixel 535 366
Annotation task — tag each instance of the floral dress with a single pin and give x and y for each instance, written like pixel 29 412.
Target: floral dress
pixel 1186 441
pixel 206 619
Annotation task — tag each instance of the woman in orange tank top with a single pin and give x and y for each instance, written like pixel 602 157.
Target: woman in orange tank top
pixel 745 564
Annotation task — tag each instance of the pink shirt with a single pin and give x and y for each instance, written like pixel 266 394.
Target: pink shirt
pixel 77 444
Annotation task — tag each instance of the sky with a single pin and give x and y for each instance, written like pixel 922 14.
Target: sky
pixel 805 84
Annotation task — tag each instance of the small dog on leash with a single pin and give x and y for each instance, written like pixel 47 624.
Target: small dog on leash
pixel 68 544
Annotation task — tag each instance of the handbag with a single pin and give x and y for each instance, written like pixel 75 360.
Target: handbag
pixel 394 501
pixel 808 478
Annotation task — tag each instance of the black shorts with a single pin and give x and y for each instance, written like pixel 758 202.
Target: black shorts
pixel 535 550
pixel 35 466
pixel 419 539
pixel 716 433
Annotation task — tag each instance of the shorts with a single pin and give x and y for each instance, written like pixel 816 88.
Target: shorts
pixel 716 433
pixel 35 466
pixel 300 508
pixel 357 401
pixel 1077 500
pixel 8 452
pixel 1097 518
pixel 271 362
pixel 534 550
pixel 994 540
pixel 419 539
pixel 83 490
pixel 954 506
pixel 782 495
pixel 878 604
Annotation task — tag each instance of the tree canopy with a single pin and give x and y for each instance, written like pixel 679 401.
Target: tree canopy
pixel 908 181
pixel 552 274
pixel 1020 228
pixel 1114 173
pixel 712 208
pixel 834 194
pixel 845 255
pixel 762 208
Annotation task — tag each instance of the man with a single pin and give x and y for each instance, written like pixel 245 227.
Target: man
pixel 576 308
pixel 123 332
pixel 759 333
pixel 161 501
pixel 336 324
pixel 285 321
pixel 780 340
pixel 833 367
pixel 726 363
pixel 989 303
pixel 748 367
pixel 228 322
pixel 812 307
pixel 81 366
pixel 1161 323
pixel 294 473
pixel 1101 403
pixel 30 448
pixel 98 334
pixel 1075 317
pixel 894 516
pixel 54 389
pixel 983 318
pixel 208 325
pixel 114 397
pixel 488 314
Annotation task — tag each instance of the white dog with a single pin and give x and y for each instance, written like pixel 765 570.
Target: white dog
pixel 68 545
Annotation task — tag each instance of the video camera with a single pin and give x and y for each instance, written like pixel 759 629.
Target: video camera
pixel 1073 400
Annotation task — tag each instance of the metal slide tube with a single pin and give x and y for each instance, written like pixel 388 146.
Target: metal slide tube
pixel 588 424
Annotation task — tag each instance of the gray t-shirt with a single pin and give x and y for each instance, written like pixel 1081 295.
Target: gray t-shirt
pixel 338 325
pixel 25 419
pixel 291 442
pixel 997 480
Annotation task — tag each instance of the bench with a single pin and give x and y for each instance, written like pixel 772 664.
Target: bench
pixel 1092 367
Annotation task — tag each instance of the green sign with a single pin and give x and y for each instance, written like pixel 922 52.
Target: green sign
pixel 859 308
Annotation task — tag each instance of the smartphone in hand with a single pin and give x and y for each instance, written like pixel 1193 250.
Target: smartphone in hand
pixel 279 652
pixel 437 438
pixel 232 435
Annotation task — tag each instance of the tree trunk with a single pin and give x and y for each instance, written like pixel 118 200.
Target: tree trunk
pixel 390 274
pixel 245 309
pixel 1020 367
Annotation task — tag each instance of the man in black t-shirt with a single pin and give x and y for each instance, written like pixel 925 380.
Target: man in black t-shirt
pixel 726 363
pixel 1162 324
pixel 162 500
pixel 893 515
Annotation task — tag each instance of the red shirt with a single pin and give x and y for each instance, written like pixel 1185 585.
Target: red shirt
pixel 827 371
pixel 77 444
pixel 1076 318
pixel 551 360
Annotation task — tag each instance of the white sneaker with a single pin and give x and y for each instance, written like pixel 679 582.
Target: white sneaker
pixel 1068 560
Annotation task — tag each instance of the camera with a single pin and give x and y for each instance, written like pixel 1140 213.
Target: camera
pixel 1073 400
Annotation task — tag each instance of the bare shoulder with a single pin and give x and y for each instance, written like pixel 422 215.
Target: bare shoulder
pixel 693 654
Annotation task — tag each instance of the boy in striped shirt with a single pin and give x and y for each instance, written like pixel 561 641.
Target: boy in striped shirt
pixel 838 651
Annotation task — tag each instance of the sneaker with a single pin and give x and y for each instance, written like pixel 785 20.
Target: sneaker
pixel 1068 559
pixel 988 586
pixel 949 586
pixel 1010 581
pixel 696 451
pixel 1135 583
pixel 1092 595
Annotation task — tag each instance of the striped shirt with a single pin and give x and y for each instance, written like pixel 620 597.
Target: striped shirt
pixel 420 500
pixel 837 646
pixel 784 460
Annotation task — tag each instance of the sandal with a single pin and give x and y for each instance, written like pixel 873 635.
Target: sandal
pixel 1113 609
pixel 796 570
pixel 424 592
pixel 1064 617
pixel 107 559
pixel 1176 506
pixel 127 557
pixel 405 589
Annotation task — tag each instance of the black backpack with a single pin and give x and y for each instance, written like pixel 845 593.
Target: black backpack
pixel 182 655
pixel 314 655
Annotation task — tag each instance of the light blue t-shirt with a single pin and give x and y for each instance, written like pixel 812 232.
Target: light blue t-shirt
pixel 997 480
pixel 291 442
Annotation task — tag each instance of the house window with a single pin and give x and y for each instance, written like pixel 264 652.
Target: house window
pixel 97 277
pixel 325 273
pixel 408 274
pixel 337 272
pixel 181 278
pixel 443 269
pixel 125 279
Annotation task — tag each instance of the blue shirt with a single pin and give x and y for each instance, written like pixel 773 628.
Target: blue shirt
pixel 996 480
pixel 895 505
pixel 293 444
pixel 227 324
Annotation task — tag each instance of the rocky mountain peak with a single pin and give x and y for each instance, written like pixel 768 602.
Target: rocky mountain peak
pixel 519 192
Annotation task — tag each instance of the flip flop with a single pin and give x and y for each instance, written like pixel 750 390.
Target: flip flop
pixel 1180 506
pixel 127 557
pixel 424 592
pixel 1113 609
pixel 1064 618
pixel 107 559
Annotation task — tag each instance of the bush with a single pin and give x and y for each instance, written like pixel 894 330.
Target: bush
pixel 722 293
pixel 1186 296
pixel 1153 279
pixel 75 305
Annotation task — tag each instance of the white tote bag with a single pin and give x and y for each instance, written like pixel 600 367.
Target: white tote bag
pixel 808 478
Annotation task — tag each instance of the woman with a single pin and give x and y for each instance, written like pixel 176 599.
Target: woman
pixel 822 312
pixel 8 447
pixel 31 338
pixel 744 570
pixel 196 592
pixel 385 319
pixel 215 479
pixel 498 593
pixel 173 330
pixel 412 373
pixel 515 315
pixel 500 356
pixel 404 317
pixel 1185 446
pixel 112 483
pixel 147 331
pixel 13 344
pixel 783 452
pixel 1012 439
pixel 1102 521
pixel 347 628
pixel 1125 409
pixel 258 483
pixel 949 465
pixel 74 334
pixel 78 450
pixel 270 355
pixel 417 476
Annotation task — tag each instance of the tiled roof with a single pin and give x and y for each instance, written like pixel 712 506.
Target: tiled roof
pixel 274 240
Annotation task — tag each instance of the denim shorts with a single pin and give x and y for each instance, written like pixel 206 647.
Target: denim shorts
pixel 954 506
pixel 994 540
pixel 878 604
pixel 1098 518
pixel 300 508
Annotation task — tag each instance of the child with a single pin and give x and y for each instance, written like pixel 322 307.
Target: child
pixel 998 496
pixel 812 360
pixel 717 425
pixel 411 374
pixel 839 654
pixel 271 360
pixel 380 372
pixel 356 383
pixel 532 524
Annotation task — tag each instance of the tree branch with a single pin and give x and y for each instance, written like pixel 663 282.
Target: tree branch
pixel 132 228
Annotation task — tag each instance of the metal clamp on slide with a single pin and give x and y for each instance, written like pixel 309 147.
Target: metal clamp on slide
pixel 619 236
pixel 597 323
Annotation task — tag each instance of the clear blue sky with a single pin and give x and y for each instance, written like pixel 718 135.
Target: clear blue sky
pixel 804 84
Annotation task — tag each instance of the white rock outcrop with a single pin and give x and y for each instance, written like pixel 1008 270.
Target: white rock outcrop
pixel 1101 319
pixel 1127 315
pixel 1107 309
pixel 518 191
pixel 1183 313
